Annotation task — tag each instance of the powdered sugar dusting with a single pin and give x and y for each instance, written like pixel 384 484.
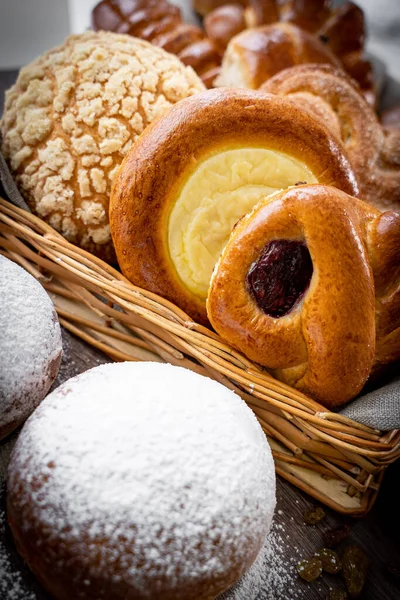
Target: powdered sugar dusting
pixel 30 344
pixel 271 577
pixel 164 476
pixel 12 585
pixel 249 585
pixel 278 574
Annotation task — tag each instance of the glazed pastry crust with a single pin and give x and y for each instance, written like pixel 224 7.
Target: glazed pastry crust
pixel 152 175
pixel 329 30
pixel 335 98
pixel 325 346
pixel 256 55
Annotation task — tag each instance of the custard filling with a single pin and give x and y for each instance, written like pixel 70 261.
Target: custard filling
pixel 221 190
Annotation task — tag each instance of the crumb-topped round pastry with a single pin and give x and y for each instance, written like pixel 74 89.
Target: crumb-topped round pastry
pixel 30 345
pixel 197 170
pixel 72 116
pixel 140 481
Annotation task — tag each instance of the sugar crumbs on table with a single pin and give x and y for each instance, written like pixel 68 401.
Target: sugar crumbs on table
pixel 333 537
pixel 314 515
pixel 278 575
pixel 11 585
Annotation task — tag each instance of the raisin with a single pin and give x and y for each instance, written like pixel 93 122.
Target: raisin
pixel 314 516
pixel 333 537
pixel 355 566
pixel 309 568
pixel 280 276
pixel 338 594
pixel 330 560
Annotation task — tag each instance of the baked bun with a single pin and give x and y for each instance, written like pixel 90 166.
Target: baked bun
pixel 255 55
pixel 30 345
pixel 341 30
pixel 335 98
pixel 196 171
pixel 140 481
pixel 72 116
pixel 160 22
pixel 305 283
pixel 224 23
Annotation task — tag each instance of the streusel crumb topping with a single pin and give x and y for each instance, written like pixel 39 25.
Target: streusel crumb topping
pixel 72 116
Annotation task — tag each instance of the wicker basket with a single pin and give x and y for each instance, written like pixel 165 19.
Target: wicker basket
pixel 332 458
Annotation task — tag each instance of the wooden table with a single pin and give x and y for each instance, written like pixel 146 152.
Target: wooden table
pixel 378 533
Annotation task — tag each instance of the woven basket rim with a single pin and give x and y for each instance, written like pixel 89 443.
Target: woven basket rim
pixel 319 440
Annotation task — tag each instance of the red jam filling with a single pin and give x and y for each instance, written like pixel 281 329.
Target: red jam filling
pixel 280 276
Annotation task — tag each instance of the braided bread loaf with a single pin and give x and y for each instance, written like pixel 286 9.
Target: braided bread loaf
pixel 335 99
pixel 340 30
pixel 308 285
pixel 160 23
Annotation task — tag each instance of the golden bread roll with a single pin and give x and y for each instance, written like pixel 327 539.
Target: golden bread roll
pixel 224 23
pixel 71 117
pixel 341 30
pixel 197 170
pixel 336 99
pixel 255 55
pixel 308 285
pixel 160 22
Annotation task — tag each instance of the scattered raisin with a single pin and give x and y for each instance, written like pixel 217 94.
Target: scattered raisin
pixel 330 560
pixel 338 594
pixel 309 568
pixel 355 565
pixel 333 537
pixel 314 516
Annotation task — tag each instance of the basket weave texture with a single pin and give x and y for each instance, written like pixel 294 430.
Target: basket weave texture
pixel 334 459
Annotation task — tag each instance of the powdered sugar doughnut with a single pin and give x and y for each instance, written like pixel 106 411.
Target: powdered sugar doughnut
pixel 30 345
pixel 140 481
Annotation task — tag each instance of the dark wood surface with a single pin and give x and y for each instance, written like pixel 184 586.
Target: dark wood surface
pixel 378 533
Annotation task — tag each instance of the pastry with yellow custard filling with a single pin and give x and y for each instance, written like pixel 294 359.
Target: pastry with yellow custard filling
pixel 197 170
